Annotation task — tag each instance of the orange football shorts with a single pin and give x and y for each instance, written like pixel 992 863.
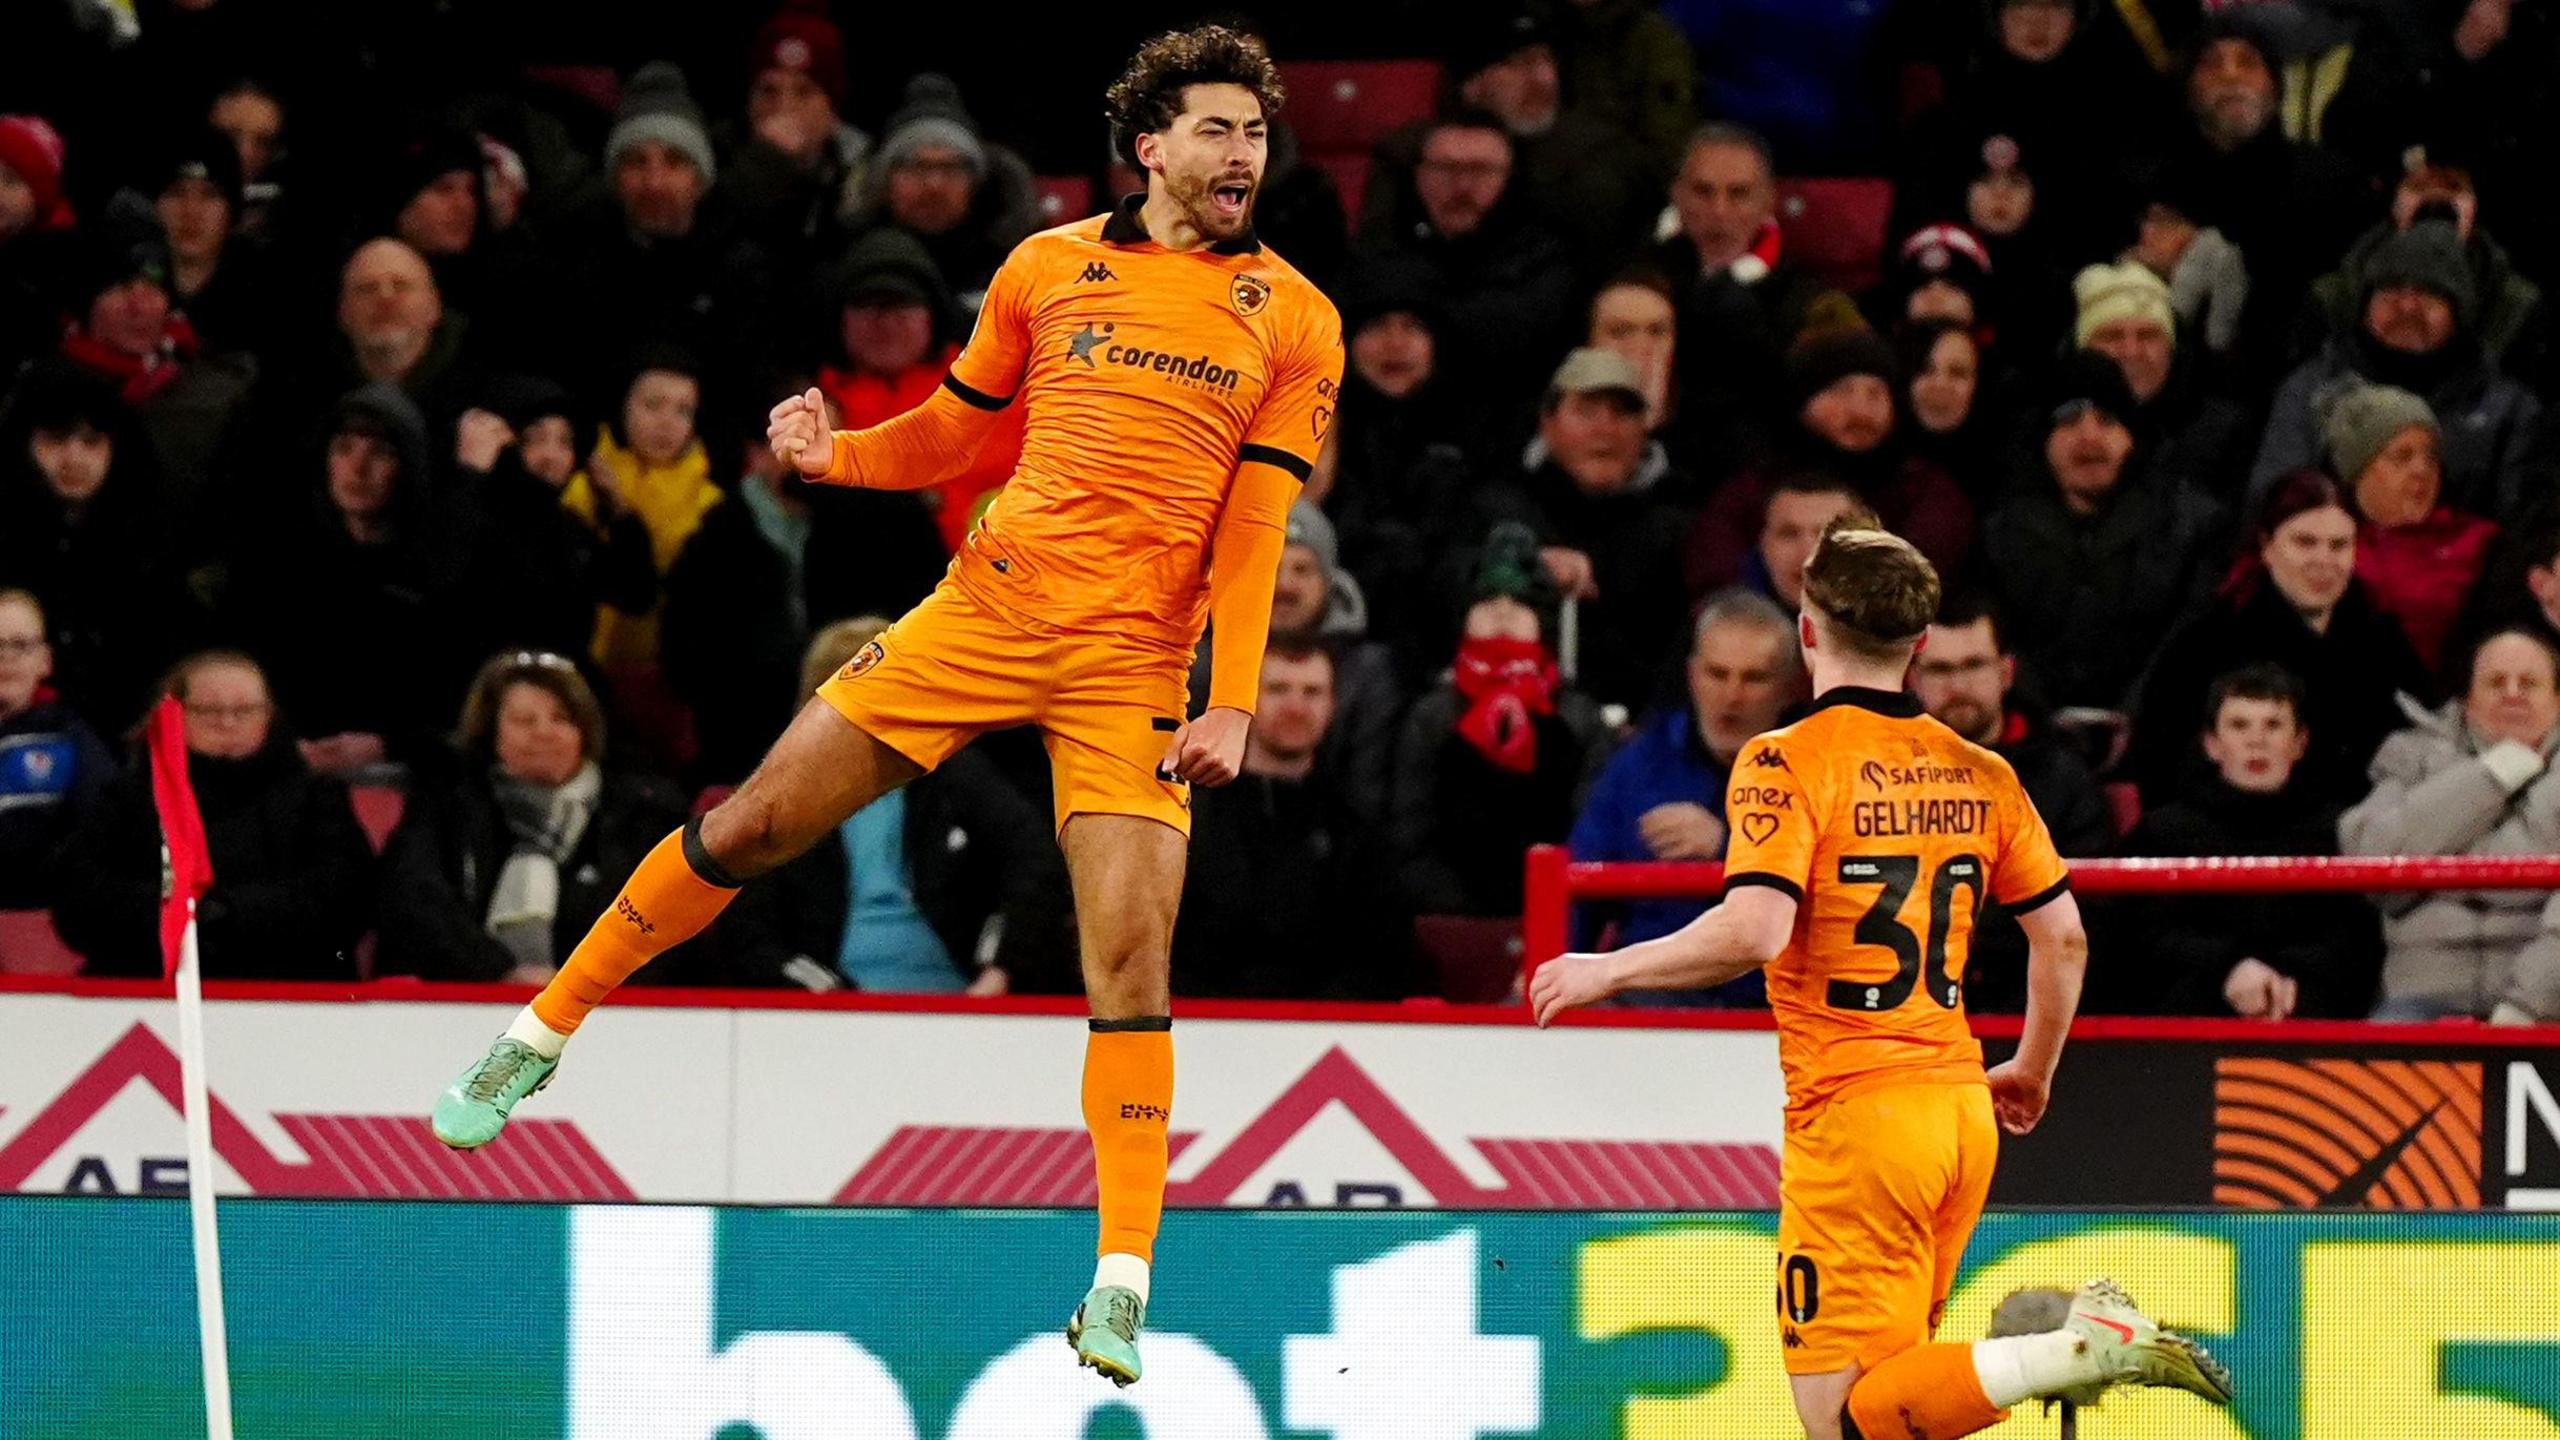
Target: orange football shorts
pixel 1878 1193
pixel 954 667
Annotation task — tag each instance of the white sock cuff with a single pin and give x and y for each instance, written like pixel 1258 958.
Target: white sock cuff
pixel 2027 1367
pixel 527 1029
pixel 1123 1269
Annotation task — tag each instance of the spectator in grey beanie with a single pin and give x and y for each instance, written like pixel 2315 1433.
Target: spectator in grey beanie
pixel 939 180
pixel 1316 598
pixel 659 129
pixel 2419 558
pixel 2415 329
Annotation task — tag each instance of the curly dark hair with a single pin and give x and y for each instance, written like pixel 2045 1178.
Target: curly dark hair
pixel 1149 93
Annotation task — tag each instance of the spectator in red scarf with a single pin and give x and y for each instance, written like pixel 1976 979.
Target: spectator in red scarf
pixel 123 330
pixel 899 334
pixel 2419 558
pixel 1492 761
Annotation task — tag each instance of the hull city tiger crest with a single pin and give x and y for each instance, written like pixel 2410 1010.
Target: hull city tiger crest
pixel 1251 293
pixel 868 656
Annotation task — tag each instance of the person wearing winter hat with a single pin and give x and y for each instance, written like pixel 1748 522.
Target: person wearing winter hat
pixel 1489 760
pixel 2127 313
pixel 659 153
pixel 2208 277
pixel 31 160
pixel 2415 332
pixel 36 239
pixel 1843 392
pixel 898 336
pixel 792 167
pixel 2420 559
pixel 219 279
pixel 372 633
pixel 433 192
pixel 2435 183
pixel 2092 558
pixel 1318 600
pixel 1942 272
pixel 937 178
pixel 2289 207
pixel 123 329
pixel 1574 172
pixel 525 440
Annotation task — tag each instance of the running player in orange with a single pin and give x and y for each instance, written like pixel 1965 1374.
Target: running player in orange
pixel 1866 838
pixel 1178 379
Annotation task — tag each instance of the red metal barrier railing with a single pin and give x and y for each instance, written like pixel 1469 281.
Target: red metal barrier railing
pixel 1556 880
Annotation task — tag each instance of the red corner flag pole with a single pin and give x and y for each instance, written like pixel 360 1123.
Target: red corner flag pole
pixel 187 872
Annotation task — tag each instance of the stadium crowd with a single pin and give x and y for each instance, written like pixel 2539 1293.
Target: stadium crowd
pixel 2209 359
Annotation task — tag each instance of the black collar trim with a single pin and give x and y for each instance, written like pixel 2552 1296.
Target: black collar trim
pixel 1899 704
pixel 1125 228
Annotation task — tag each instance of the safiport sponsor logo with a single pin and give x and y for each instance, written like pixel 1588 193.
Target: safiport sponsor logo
pixel 1880 776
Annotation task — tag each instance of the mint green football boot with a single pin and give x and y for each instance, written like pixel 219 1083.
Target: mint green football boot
pixel 1105 1332
pixel 473 1109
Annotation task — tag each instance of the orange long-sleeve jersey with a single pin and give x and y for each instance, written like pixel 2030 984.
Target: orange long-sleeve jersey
pixel 1176 401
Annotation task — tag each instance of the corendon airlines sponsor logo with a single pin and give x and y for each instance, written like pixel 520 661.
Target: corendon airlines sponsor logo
pixel 374 1156
pixel 965 1165
pixel 1095 347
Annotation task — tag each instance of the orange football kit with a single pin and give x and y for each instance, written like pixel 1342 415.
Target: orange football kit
pixel 1891 833
pixel 1176 401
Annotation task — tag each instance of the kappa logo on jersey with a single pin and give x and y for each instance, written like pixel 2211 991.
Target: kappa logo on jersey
pixel 1082 344
pixel 1096 271
pixel 870 655
pixel 1768 758
pixel 1758 826
pixel 1251 293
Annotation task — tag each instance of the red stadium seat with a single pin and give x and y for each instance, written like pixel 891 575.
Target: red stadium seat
pixel 1349 172
pixel 1836 228
pixel 378 810
pixel 1475 959
pixel 29 945
pixel 1339 105
pixel 2124 805
pixel 1063 198
pixel 595 84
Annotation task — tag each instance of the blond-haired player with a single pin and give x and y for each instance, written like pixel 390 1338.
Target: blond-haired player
pixel 1866 838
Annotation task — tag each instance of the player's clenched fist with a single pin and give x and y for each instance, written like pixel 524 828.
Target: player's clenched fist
pixel 800 435
pixel 1569 982
pixel 1209 750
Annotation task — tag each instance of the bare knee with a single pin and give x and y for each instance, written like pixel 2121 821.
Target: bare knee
pixel 1127 970
pixel 745 836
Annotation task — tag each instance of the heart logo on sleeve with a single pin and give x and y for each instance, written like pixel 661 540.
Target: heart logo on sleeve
pixel 1758 826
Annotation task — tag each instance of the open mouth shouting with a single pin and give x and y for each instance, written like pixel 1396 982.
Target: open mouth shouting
pixel 1230 197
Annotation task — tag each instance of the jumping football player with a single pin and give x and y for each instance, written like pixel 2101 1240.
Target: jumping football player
pixel 1178 379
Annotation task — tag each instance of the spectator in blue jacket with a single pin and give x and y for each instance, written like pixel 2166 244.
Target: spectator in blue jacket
pixel 51 764
pixel 1661 797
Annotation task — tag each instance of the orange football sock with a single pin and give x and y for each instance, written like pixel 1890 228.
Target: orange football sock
pixel 666 902
pixel 1128 1100
pixel 1928 1392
